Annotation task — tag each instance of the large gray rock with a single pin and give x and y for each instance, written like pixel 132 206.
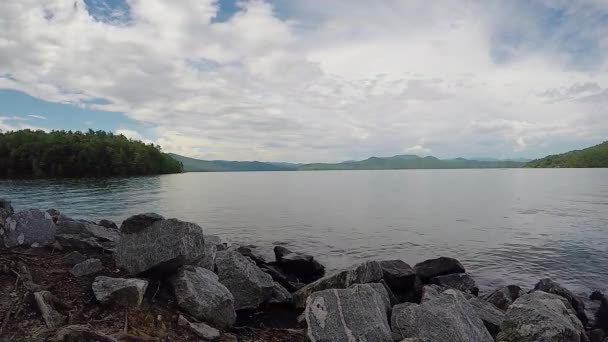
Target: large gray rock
pixel 73 258
pixel 355 314
pixel 200 294
pixel 459 281
pixel 208 260
pixel 139 222
pixel 125 292
pixel 437 267
pixel 430 292
pixel 108 224
pixel 399 276
pixel 83 234
pixel 200 329
pixel 541 317
pixel 6 210
pixel 280 295
pixel 30 227
pixel 549 286
pixel 367 272
pixel 491 316
pixel 449 317
pixel 253 253
pixel 302 266
pixel 503 297
pixel 163 246
pixel 249 284
pixel 87 267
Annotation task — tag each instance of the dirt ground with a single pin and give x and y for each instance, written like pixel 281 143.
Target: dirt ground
pixel 154 320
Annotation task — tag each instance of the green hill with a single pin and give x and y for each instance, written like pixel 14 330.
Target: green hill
pixel 411 162
pixel 595 156
pixel 197 165
pixel 38 154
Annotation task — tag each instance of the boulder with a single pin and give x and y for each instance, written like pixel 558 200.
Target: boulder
pixel 253 253
pixel 200 329
pixel 288 282
pixel 80 333
pixel 139 222
pixel 431 291
pixel 73 258
pixel 601 315
pixel 87 267
pixel 280 295
pixel 31 227
pixel 367 272
pixel 503 297
pixel 459 281
pixel 399 277
pixel 125 292
pixel 549 286
pixel 55 214
pixel 81 234
pixel 208 259
pixel 490 315
pixel 220 243
pixel 200 294
pixel 541 317
pixel 249 284
pixel 437 267
pixel 358 313
pixel 108 224
pixel 302 266
pixel 46 303
pixel 448 317
pixel 164 246
pixel 6 210
pixel 596 335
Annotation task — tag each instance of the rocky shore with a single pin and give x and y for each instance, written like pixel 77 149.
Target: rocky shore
pixel 157 279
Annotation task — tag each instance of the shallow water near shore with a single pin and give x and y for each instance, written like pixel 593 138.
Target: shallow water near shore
pixel 511 226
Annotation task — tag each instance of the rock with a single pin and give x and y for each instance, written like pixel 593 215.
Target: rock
pixel 288 282
pixel 431 291
pixel 503 297
pixel 302 266
pixel 81 234
pixel 249 285
pixel 358 313
pixel 549 286
pixel 459 281
pixel 253 253
pixel 73 258
pixel 541 317
pixel 220 243
pixel 6 210
pixel 87 267
pixel 55 214
pixel 449 317
pixel 164 246
pixel 367 272
pixel 596 335
pixel 208 259
pixel 437 267
pixel 200 329
pixel 490 315
pixel 200 294
pixel 80 333
pixel 125 292
pixel 137 223
pixel 280 295
pixel 596 295
pixel 46 304
pixel 108 224
pixel 601 315
pixel 399 277
pixel 31 227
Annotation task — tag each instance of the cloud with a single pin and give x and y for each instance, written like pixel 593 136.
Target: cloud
pixel 131 134
pixel 306 81
pixel 39 117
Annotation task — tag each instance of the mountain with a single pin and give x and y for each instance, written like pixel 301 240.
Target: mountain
pixel 411 162
pixel 595 156
pixel 197 165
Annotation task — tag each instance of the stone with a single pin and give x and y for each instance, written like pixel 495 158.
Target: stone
pixel 80 333
pixel 162 247
pixel 31 227
pixel 358 313
pixel 541 317
pixel 208 259
pixel 55 214
pixel 490 315
pixel 73 258
pixel 87 267
pixel 121 291
pixel 503 297
pixel 200 329
pixel 367 272
pixel 431 291
pixel 108 224
pixel 200 294
pixel 302 266
pixel 280 295
pixel 253 253
pixel 220 243
pixel 549 286
pixel 6 210
pixel 46 305
pixel 87 229
pixel 288 282
pixel 449 317
pixel 596 295
pixel 601 315
pixel 459 281
pixel 139 222
pixel 437 267
pixel 249 284
pixel 596 335
pixel 399 276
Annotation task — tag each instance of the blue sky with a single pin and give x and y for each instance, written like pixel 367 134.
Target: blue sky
pixel 312 80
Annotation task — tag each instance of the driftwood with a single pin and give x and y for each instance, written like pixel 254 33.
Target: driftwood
pixel 46 305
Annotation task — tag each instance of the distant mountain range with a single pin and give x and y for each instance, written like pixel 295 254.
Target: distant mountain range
pixel 592 157
pixel 373 163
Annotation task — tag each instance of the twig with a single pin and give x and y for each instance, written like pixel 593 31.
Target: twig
pixel 16 280
pixel 157 289
pixel 21 305
pixel 126 328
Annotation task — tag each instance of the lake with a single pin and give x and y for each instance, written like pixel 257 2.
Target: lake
pixel 506 226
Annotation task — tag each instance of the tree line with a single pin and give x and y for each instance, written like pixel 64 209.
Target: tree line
pixel 39 154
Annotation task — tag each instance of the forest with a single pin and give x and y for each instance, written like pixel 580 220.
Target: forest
pixel 591 157
pixel 39 154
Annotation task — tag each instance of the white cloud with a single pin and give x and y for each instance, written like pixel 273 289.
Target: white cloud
pixel 39 117
pixel 131 134
pixel 336 80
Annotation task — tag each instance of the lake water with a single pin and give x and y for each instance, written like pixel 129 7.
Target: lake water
pixel 506 226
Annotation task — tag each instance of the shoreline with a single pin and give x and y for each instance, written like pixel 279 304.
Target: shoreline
pixel 164 279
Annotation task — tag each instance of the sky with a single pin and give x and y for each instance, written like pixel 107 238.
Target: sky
pixel 314 80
